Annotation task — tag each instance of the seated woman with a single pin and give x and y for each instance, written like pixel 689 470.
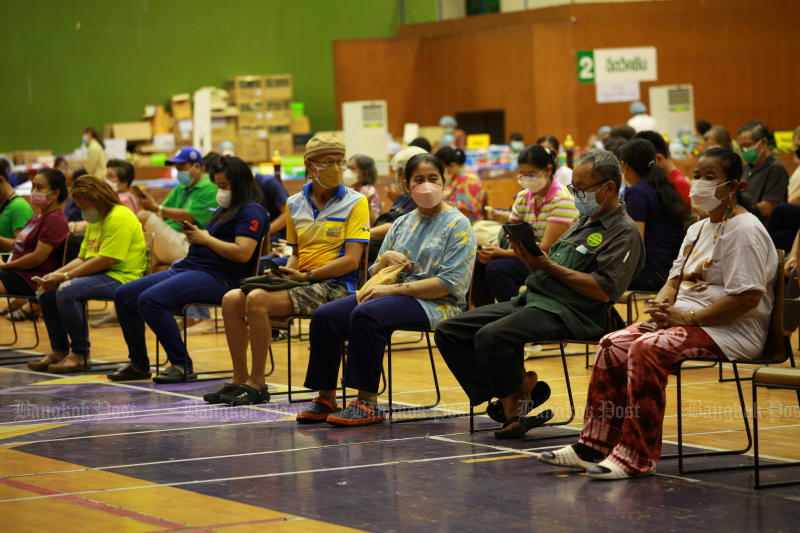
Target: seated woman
pixel 39 246
pixel 362 176
pixel 463 189
pixel 113 252
pixel 655 205
pixel 436 243
pixel 219 256
pixel 543 203
pixel 327 227
pixel 716 305
pixel 562 173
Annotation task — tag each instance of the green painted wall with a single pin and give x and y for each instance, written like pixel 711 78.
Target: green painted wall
pixel 67 64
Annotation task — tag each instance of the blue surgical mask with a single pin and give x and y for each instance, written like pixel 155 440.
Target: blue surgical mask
pixel 85 139
pixel 184 178
pixel 517 146
pixel 587 206
pixel 91 215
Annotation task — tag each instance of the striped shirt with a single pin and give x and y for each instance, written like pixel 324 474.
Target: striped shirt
pixel 557 207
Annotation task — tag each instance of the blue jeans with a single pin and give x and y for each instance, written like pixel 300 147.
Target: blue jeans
pixel 367 327
pixel 154 299
pixel 64 312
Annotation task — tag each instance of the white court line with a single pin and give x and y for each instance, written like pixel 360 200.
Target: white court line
pixel 502 449
pixel 121 414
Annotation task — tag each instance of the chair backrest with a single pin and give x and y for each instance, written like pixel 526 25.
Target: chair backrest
pixel 363 267
pixel 259 251
pixel 149 239
pixel 775 347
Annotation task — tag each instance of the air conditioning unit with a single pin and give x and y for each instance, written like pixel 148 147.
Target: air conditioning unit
pixel 366 128
pixel 672 106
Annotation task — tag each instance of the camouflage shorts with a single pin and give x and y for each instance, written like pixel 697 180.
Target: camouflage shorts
pixel 306 299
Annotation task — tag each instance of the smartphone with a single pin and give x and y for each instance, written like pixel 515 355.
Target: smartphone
pixel 138 192
pixel 522 233
pixel 272 265
pixel 185 225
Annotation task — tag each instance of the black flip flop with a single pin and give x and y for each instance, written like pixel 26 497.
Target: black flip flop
pixel 526 423
pixel 539 394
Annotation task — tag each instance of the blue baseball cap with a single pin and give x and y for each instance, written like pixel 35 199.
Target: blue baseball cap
pixel 187 154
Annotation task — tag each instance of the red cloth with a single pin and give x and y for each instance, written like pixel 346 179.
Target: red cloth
pixel 682 184
pixel 50 228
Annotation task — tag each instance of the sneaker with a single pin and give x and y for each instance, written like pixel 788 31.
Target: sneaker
pixel 246 395
pixel 202 327
pixel 358 413
pixel 105 321
pixel 318 411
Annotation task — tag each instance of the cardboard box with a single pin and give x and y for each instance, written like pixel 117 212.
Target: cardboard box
pixel 282 142
pixel 182 106
pixel 278 86
pixel 252 119
pixel 246 88
pixel 29 157
pixel 183 131
pixel 160 119
pixel 301 125
pixel 223 129
pixel 279 128
pixel 252 145
pixel 132 131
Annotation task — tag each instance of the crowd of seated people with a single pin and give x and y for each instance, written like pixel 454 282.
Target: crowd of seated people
pixel 618 222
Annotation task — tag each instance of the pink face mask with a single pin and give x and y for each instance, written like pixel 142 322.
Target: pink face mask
pixel 39 199
pixel 427 195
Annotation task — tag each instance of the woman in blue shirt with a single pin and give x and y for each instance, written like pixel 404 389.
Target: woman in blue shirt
pixel 655 205
pixel 437 244
pixel 219 256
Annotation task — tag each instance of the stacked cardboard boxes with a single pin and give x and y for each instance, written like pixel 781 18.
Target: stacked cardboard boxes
pixel 265 116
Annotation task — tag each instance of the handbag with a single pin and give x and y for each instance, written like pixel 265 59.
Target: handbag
pixel 385 276
pixel 270 283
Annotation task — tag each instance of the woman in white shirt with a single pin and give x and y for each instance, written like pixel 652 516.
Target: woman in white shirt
pixel 716 304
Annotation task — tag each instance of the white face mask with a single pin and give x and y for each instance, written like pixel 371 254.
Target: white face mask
pixel 702 195
pixel 224 198
pixel 349 178
pixel 113 184
pixel 532 184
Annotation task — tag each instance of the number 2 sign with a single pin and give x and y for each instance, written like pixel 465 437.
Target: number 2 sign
pixel 586 66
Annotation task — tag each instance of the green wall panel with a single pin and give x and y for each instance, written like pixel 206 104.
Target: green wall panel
pixel 67 64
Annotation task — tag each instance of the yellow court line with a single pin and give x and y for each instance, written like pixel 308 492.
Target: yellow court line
pixel 133 510
pixel 501 458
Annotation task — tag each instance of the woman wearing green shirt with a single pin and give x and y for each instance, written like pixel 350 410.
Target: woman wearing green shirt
pixel 113 252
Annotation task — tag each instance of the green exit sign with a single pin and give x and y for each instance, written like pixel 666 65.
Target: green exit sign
pixel 585 66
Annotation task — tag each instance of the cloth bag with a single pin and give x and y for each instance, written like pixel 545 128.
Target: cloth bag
pixel 385 276
pixel 270 283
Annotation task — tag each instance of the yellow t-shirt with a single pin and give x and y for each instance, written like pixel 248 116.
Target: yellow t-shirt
pixel 118 236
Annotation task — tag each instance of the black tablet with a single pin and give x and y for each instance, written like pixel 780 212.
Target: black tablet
pixel 522 233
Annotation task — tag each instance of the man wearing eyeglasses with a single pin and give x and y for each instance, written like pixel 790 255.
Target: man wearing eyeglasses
pixel 569 294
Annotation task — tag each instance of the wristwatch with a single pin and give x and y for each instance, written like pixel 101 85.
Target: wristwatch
pixel 308 274
pixel 161 211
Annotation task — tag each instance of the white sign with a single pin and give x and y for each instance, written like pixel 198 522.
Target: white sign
pixel 626 91
pixel 613 65
pixel 115 148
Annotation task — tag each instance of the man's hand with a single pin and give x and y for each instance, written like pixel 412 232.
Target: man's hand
pixel 531 261
pixel 148 203
pixel 292 274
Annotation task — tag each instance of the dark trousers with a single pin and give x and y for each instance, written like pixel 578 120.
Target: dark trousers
pixel 484 347
pixel 498 280
pixel 367 327
pixel 154 299
pixel 648 280
pixel 782 225
pixel 63 310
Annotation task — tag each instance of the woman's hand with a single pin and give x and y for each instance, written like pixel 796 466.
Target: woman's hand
pixel 52 280
pixel 790 263
pixel 391 258
pixel 486 253
pixel 195 235
pixel 380 290
pixel 665 315
pixel 292 274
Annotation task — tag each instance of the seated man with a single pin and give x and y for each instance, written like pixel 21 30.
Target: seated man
pixel 569 293
pixel 194 200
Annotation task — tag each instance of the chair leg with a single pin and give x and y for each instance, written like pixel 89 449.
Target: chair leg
pixel 569 392
pixel 681 456
pixel 756 472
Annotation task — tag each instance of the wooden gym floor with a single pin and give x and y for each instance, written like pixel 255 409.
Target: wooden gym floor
pixel 79 453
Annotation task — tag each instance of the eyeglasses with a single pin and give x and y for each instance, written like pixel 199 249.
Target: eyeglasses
pixel 581 193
